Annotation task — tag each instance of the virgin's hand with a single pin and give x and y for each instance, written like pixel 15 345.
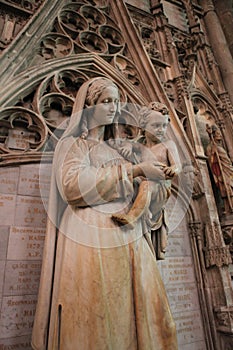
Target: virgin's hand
pixel 151 171
pixel 126 151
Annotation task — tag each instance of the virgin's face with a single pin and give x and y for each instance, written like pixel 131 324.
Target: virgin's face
pixel 106 107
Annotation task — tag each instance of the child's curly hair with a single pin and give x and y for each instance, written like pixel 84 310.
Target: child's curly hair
pixel 146 111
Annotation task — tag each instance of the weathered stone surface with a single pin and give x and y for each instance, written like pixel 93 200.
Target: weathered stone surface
pixel 9 180
pixel 30 212
pixel 4 235
pixel 22 277
pixel 17 315
pixel 18 343
pixel 2 274
pixel 189 328
pixel 34 180
pixel 7 206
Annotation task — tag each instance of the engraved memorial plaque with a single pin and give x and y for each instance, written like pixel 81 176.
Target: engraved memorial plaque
pixel 17 315
pixel 30 212
pixel 183 297
pixel 34 180
pixel 19 343
pixel 22 277
pixel 26 243
pixel 9 180
pixel 19 139
pixel 177 270
pixel 7 209
pixel 189 327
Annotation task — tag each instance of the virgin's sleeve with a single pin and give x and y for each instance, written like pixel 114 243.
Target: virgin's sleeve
pixel 82 184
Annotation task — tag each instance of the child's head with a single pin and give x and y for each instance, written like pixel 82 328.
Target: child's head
pixel 154 119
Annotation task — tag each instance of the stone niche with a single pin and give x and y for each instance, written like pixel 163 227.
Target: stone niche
pixel 23 199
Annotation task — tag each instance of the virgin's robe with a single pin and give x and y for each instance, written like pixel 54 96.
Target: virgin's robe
pixel 107 292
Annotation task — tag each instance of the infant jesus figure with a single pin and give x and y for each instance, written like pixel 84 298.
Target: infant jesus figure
pixel 152 194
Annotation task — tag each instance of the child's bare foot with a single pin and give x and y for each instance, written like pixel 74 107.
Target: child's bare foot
pixel 124 219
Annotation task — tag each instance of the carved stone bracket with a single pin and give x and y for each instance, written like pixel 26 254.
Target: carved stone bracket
pixel 224 318
pixel 218 256
pixel 187 52
pixel 195 229
pixel 181 91
pixel 215 251
pixel 227 230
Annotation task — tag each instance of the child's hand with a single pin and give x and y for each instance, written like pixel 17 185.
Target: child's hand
pixel 170 171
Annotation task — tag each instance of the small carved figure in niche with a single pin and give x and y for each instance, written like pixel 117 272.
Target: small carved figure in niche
pixel 152 195
pixel 221 167
pixel 90 264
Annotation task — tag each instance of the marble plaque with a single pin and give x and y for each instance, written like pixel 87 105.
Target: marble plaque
pixel 34 180
pixel 177 270
pixel 182 297
pixel 4 234
pixel 9 180
pixel 178 244
pixel 197 345
pixel 26 243
pixel 19 343
pixel 30 212
pixel 22 277
pixel 19 139
pixel 7 209
pixel 17 315
pixel 189 327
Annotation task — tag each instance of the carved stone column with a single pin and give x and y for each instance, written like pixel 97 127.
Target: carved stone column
pixel 224 11
pixel 219 45
pixel 195 230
